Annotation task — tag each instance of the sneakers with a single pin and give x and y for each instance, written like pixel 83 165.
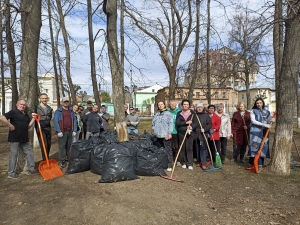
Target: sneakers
pixel 13 176
pixel 31 172
pixel 183 166
pixel 63 164
pixel 178 164
pixel 190 168
pixel 169 169
pixel 203 167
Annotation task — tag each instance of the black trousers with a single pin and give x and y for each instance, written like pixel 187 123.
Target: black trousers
pixel 213 149
pixel 187 149
pixel 240 150
pixel 47 140
pixel 223 144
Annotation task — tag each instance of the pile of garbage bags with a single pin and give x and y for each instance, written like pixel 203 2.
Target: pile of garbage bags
pixel 118 161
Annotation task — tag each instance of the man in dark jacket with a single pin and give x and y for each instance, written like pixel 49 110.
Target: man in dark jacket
pixel 65 126
pixel 93 123
pixel 85 112
pixel 203 124
pixel 45 112
pixel 19 123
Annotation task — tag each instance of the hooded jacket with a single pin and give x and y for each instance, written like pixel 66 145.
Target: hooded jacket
pixel 58 120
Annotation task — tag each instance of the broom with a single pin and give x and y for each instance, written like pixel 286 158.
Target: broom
pixel 212 164
pixel 218 158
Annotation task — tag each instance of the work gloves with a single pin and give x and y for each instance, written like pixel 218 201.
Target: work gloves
pixel 60 134
pixel 74 134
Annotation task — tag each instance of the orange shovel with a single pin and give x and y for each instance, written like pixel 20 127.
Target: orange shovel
pixel 48 169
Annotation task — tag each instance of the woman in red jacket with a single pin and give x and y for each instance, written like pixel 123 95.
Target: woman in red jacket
pixel 240 125
pixel 214 132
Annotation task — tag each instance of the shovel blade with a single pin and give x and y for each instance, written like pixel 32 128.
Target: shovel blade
pixel 51 171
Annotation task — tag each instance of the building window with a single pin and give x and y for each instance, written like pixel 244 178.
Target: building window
pixel 46 91
pixel 197 94
pixel 153 90
pixel 223 94
pixel 236 83
pixel 242 96
pixel 217 95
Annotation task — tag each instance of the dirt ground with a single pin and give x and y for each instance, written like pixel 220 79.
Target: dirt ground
pixel 231 195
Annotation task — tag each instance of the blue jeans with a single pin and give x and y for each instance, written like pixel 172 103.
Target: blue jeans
pixel 201 152
pixel 132 131
pixel 14 148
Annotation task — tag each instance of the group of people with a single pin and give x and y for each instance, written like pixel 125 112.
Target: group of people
pixel 187 129
pixel 198 130
pixel 70 124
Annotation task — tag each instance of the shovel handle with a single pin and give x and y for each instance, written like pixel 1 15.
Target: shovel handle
pixel 37 117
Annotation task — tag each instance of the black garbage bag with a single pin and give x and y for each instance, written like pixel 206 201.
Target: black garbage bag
pixel 151 137
pixel 97 158
pixel 162 155
pixel 110 137
pixel 97 140
pixel 148 163
pixel 80 157
pixel 118 164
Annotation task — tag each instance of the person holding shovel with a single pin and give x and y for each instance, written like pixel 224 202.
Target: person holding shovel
pixel 240 125
pixel 260 123
pixel 45 112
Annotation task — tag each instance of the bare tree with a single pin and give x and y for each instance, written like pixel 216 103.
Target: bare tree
pixel 246 36
pixel 11 54
pixel 31 23
pixel 67 49
pixel 110 9
pixel 92 54
pixel 288 86
pixel 170 32
pixel 53 52
pixel 2 63
pixel 195 67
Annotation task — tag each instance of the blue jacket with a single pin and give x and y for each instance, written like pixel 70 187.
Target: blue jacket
pixel 162 124
pixel 58 120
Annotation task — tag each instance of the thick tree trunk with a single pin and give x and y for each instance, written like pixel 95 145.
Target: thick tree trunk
pixel 208 94
pixel 110 9
pixel 67 48
pixel 31 24
pixel 60 80
pixel 286 102
pixel 122 51
pixel 53 52
pixel 92 54
pixel 2 65
pixel 195 68
pixel 11 56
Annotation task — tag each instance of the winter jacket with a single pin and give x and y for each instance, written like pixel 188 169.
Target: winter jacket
pixel 162 124
pixel 105 117
pixel 58 120
pixel 215 124
pixel 132 121
pixel 205 121
pixel 45 117
pixel 237 126
pixel 225 129
pixel 174 114
pixel 181 123
pixel 93 122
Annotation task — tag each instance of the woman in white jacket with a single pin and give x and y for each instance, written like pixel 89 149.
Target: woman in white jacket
pixel 225 130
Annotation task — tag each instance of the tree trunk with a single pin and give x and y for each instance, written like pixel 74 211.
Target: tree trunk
pixel 195 68
pixel 67 47
pixel 286 102
pixel 11 56
pixel 92 54
pixel 60 82
pixel 122 51
pixel 110 9
pixel 53 52
pixel 31 24
pixel 208 95
pixel 2 64
pixel 247 82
